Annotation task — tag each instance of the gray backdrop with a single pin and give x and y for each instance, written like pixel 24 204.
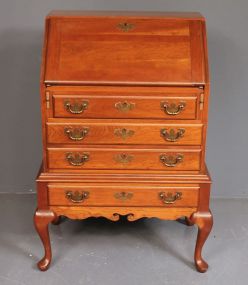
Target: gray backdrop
pixel 21 32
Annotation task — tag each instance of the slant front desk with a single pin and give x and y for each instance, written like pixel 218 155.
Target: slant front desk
pixel 124 100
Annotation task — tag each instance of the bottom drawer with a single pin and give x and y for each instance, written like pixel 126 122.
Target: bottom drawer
pixel 123 195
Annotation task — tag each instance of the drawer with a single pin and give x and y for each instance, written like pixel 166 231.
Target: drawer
pixel 151 107
pixel 128 132
pixel 115 157
pixel 123 195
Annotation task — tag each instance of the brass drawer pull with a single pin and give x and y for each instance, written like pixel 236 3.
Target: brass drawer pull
pixel 172 135
pixel 170 160
pixel 125 27
pixel 123 158
pixel 123 196
pixel 77 159
pixel 76 196
pixel 76 134
pixel 76 108
pixel 124 106
pixel 169 198
pixel 172 108
pixel 123 133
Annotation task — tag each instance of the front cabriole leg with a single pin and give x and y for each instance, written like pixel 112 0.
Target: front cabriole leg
pixel 42 218
pixel 204 221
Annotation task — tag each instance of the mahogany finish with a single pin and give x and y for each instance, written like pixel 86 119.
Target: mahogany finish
pixel 124 100
pixel 115 157
pixel 104 106
pixel 83 132
pixel 119 195
pixel 42 218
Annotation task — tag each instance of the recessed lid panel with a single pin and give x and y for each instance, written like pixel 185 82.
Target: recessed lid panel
pixel 124 50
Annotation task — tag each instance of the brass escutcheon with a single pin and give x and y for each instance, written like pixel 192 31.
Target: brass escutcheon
pixel 172 135
pixel 125 27
pixel 123 158
pixel 172 108
pixel 123 133
pixel 123 196
pixel 77 159
pixel 76 108
pixel 124 106
pixel 170 160
pixel 76 196
pixel 169 198
pixel 76 134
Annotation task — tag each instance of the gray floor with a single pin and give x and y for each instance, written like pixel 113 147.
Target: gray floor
pixel 97 251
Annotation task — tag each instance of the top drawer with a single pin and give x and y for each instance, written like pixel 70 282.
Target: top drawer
pixel 169 106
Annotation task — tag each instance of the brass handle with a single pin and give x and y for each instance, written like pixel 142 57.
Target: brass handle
pixel 76 134
pixel 123 133
pixel 77 159
pixel 170 160
pixel 169 198
pixel 125 26
pixel 123 158
pixel 76 197
pixel 123 196
pixel 172 135
pixel 124 106
pixel 76 108
pixel 172 108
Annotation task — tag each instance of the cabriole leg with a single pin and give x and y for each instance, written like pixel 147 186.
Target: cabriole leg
pixel 42 218
pixel 204 221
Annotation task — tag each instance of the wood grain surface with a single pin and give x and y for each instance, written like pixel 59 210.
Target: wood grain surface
pixel 123 195
pixel 109 158
pixel 123 132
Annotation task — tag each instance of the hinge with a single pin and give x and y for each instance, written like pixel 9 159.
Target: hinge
pixel 47 99
pixel 201 101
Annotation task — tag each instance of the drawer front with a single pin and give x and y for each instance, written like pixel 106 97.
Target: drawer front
pixel 166 107
pixel 124 195
pixel 123 158
pixel 114 132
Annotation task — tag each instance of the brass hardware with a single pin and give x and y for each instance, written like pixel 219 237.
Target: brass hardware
pixel 123 196
pixel 47 99
pixel 124 106
pixel 77 159
pixel 123 158
pixel 76 196
pixel 169 198
pixel 76 134
pixel 76 108
pixel 125 27
pixel 123 133
pixel 170 160
pixel 172 135
pixel 201 101
pixel 172 108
